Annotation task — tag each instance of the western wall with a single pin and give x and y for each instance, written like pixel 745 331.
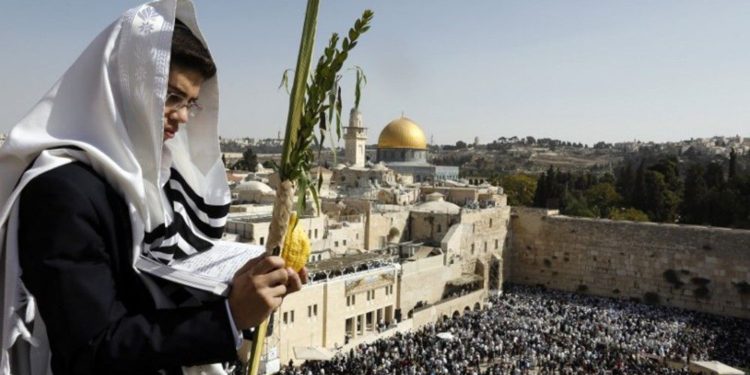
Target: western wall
pixel 692 267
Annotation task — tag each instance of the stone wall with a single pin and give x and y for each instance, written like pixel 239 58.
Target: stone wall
pixel 318 315
pixel 430 227
pixel 424 280
pixel 380 226
pixel 693 267
pixel 456 306
pixel 483 241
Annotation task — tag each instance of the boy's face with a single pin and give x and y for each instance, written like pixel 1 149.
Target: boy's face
pixel 182 96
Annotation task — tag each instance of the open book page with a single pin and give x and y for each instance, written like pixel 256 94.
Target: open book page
pixel 221 262
pixel 211 270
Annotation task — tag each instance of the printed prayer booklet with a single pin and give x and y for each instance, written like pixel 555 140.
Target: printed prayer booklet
pixel 211 270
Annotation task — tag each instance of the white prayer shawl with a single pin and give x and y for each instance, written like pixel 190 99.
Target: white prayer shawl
pixel 107 111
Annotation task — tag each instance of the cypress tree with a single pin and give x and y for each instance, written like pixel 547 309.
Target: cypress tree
pixel 639 188
pixel 732 164
pixel 540 195
pixel 695 196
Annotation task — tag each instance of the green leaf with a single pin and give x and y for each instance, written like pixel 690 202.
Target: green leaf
pixel 316 199
pixel 285 80
pixel 338 113
pixel 322 123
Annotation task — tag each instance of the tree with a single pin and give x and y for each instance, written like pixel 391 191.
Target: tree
pixel 667 166
pixel 460 145
pixel 607 178
pixel 630 214
pixel 732 164
pixel 520 189
pixel 661 203
pixel 695 195
pixel 638 197
pixel 602 198
pixel 722 207
pixel 553 189
pixel 576 206
pixel 250 160
pixel 625 182
pixel 540 195
pixel 714 176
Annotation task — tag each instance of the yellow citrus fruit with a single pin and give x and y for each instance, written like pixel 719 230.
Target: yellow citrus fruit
pixel 296 245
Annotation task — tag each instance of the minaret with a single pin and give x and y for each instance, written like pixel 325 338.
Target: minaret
pixel 355 137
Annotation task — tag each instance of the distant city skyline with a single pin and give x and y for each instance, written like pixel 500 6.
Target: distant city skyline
pixel 579 71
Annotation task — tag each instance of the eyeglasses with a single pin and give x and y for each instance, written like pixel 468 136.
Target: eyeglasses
pixel 177 102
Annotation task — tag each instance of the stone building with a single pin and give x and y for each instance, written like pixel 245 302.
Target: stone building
pixel 370 265
pixel 355 138
pixel 370 262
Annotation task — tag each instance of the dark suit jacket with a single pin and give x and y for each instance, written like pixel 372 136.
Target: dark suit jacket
pixel 75 249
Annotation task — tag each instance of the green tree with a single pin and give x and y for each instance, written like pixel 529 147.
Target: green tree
pixel 695 196
pixel 661 203
pixel 741 184
pixel 630 214
pixel 722 207
pixel 520 189
pixel 638 196
pixel 602 198
pixel 714 176
pixel 250 160
pixel 608 178
pixel 555 188
pixel 540 195
pixel 576 206
pixel 625 182
pixel 668 167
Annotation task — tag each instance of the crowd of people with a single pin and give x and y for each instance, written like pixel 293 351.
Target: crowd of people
pixel 531 330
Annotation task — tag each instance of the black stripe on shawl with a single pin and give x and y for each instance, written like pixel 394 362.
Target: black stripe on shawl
pixel 178 226
pixel 175 252
pixel 175 195
pixel 213 211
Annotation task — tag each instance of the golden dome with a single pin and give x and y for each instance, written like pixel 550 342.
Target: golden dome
pixel 402 133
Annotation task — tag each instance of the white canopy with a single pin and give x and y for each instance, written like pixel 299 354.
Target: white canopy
pixel 713 367
pixel 312 353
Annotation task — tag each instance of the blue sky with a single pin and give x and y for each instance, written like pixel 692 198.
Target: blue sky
pixel 582 71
